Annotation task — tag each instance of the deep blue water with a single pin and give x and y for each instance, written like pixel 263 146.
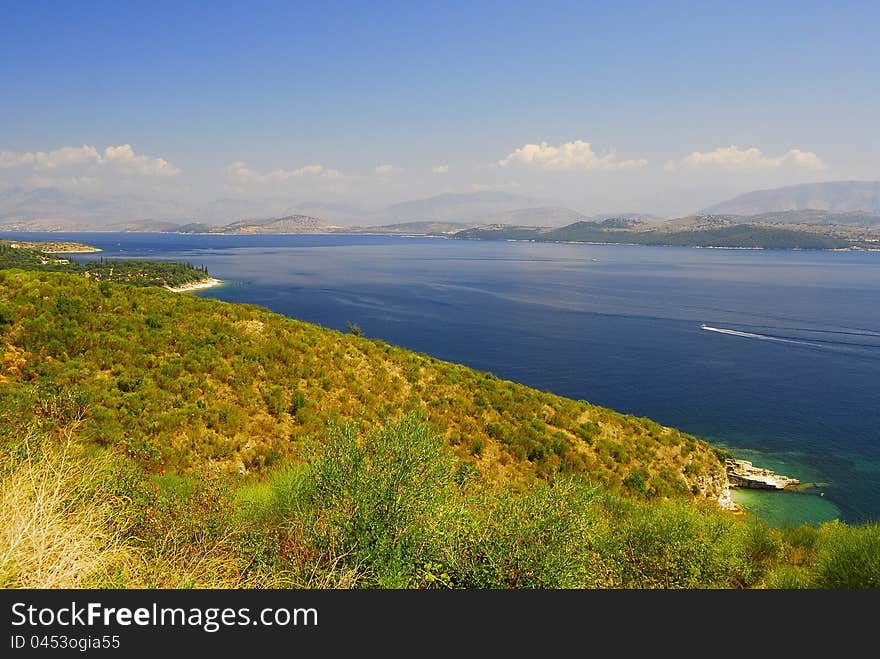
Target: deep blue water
pixel 796 388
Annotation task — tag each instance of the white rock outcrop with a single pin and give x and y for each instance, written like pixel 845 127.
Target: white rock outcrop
pixel 742 473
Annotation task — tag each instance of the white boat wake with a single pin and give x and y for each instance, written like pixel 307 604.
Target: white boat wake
pixel 761 337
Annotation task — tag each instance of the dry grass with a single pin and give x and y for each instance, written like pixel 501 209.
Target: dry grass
pixel 60 527
pixel 57 526
pixel 186 567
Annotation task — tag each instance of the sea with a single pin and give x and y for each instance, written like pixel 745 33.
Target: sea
pixel 785 373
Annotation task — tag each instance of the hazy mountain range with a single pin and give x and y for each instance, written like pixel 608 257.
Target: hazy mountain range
pixel 53 207
pixel 853 203
pixel 838 196
pixel 463 207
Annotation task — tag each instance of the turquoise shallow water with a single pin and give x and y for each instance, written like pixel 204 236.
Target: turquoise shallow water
pixel 786 508
pixel 793 383
pixel 806 503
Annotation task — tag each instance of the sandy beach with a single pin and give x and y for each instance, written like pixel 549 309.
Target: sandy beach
pixel 205 283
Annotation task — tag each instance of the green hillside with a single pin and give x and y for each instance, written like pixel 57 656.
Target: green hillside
pixel 201 386
pixel 153 439
pixel 740 235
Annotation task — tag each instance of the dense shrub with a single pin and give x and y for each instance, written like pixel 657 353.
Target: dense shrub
pixel 847 557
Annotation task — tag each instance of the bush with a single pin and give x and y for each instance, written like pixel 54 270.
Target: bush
pixel 672 544
pixel 848 557
pixel 378 503
pixel 298 401
pixel 635 481
pixel 537 539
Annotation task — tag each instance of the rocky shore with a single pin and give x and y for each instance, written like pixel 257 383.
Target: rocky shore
pixel 742 473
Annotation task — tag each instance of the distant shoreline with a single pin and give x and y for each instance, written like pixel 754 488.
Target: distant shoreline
pixel 195 286
pixel 662 245
pixel 72 251
pixel 852 248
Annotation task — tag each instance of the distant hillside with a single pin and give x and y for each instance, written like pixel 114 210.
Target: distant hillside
pixel 457 207
pixel 838 196
pixel 334 213
pixel 289 224
pixel 56 224
pixel 819 217
pixel 193 227
pixel 702 231
pixel 699 222
pixel 623 219
pixel 420 228
pixel 226 210
pixel 493 207
pixel 43 224
pixel 25 208
pixel 543 216
pixel 55 209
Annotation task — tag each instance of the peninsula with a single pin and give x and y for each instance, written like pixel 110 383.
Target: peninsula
pixel 55 247
pixel 44 257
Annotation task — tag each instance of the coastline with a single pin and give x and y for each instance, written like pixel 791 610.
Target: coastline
pixel 94 250
pixel 777 500
pixel 55 247
pixel 195 286
pixel 851 248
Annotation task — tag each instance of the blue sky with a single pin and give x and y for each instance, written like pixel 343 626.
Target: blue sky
pixel 372 103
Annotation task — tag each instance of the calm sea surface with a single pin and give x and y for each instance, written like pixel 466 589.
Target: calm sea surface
pixel 789 376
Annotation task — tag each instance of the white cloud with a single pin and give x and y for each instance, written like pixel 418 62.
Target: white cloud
pixel 123 156
pixel 67 156
pixel 120 158
pixel 43 160
pixel 308 170
pixel 570 155
pixel 440 169
pixel 733 158
pixel 240 172
pixel 384 170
